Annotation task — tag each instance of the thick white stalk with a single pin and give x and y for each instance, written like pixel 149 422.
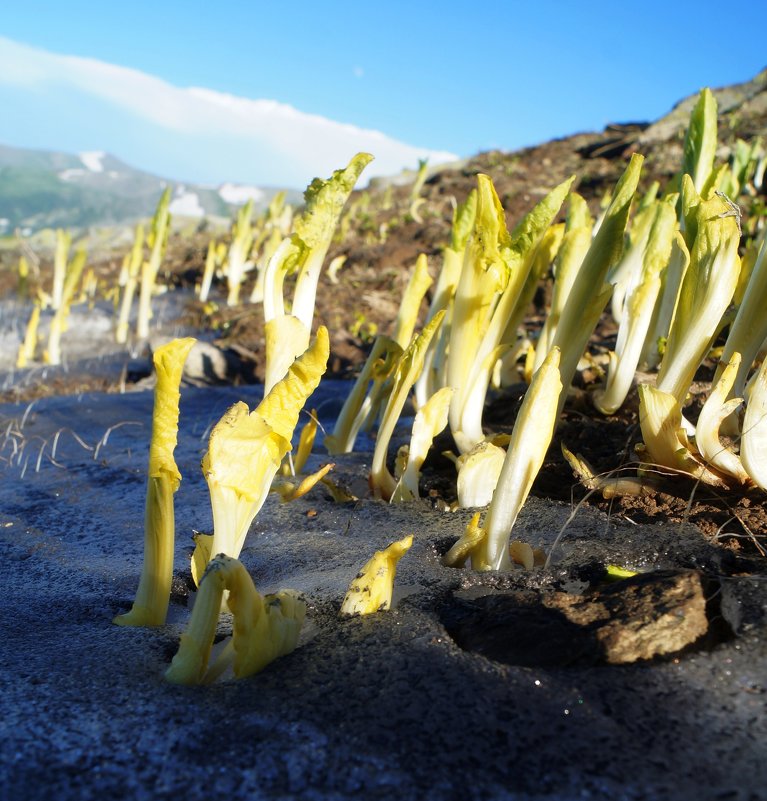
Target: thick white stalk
pixel 716 409
pixel 753 441
pixel 749 329
pixel 530 440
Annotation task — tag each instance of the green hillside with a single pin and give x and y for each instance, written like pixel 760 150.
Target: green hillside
pixel 41 189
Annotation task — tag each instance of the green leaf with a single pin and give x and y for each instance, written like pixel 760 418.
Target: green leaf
pixel 325 200
pixel 700 141
pixel 463 221
pixel 589 294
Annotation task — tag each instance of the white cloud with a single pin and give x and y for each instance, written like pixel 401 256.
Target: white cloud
pixel 291 142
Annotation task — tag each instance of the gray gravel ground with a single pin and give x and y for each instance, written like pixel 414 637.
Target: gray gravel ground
pixel 386 706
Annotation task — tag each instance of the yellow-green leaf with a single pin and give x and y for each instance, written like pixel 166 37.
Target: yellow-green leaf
pixel 371 590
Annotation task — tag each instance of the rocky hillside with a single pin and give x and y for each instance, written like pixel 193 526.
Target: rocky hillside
pixel 523 177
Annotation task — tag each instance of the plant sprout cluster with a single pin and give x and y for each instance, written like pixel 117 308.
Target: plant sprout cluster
pixel 677 267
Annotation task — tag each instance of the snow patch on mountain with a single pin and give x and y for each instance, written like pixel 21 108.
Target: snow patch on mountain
pixel 93 160
pixel 239 194
pixel 72 174
pixel 186 204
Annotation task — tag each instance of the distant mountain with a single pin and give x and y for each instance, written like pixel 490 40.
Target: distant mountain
pixel 43 189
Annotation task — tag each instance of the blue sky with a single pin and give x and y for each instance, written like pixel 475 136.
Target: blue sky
pixel 433 78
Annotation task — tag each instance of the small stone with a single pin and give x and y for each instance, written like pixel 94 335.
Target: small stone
pixel 648 615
